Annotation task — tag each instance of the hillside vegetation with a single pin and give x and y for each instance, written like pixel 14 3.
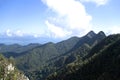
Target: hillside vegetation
pixel 102 63
pixel 8 71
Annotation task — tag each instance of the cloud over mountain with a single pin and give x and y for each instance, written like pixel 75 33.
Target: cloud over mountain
pixel 69 18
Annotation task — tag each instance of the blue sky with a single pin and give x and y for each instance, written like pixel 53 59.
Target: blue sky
pixel 56 20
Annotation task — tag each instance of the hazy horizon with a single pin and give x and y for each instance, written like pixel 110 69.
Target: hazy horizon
pixel 26 40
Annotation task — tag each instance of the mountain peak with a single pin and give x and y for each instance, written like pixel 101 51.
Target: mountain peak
pixel 91 34
pixel 101 33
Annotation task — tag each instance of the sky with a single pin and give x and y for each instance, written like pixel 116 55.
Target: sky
pixel 56 20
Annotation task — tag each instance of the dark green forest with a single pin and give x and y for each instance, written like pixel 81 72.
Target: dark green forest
pixel 102 63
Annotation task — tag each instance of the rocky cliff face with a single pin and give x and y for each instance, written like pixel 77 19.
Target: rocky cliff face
pixel 9 72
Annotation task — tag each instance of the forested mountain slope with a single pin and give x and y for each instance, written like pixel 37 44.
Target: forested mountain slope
pixel 16 50
pixel 45 59
pixel 102 63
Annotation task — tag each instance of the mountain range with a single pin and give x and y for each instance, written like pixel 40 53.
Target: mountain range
pixel 38 61
pixel 91 57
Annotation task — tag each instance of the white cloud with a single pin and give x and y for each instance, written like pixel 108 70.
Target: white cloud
pixel 19 33
pixel 69 16
pixel 8 33
pixel 113 30
pixel 56 31
pixel 36 36
pixel 98 2
pixel 11 33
